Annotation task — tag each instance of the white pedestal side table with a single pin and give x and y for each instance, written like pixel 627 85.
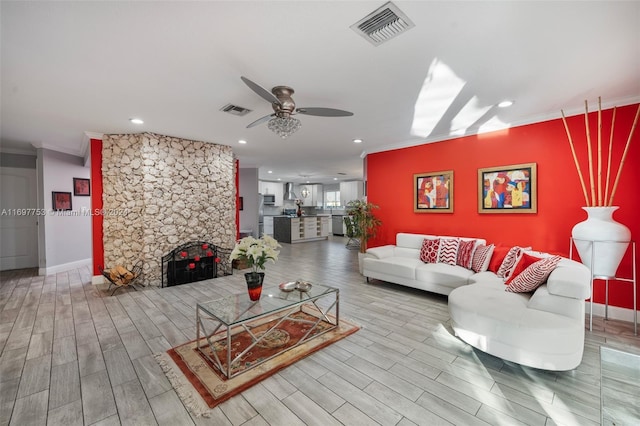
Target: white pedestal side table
pixel 631 280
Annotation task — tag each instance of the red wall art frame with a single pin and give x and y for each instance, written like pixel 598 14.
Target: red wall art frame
pixel 81 187
pixel 61 200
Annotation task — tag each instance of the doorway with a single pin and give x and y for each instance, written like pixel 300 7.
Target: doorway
pixel 19 218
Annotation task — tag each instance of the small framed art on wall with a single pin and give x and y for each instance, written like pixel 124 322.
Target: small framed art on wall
pixel 433 192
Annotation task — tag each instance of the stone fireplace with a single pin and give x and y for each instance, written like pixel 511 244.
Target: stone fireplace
pixel 167 191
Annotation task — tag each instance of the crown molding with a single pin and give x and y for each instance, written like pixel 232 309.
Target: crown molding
pixel 86 145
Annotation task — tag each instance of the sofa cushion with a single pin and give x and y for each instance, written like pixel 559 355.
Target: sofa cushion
pixel 502 324
pixel 412 240
pixel 402 267
pixel 570 279
pixel 534 275
pixel 407 252
pixel 499 253
pixel 481 257
pixel 509 263
pixel 525 261
pixel 465 253
pixel 443 274
pixel 382 251
pixel 542 300
pixel 448 251
pixel 487 278
pixel 429 250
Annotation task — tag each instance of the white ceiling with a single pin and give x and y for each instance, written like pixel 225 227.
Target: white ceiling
pixel 69 68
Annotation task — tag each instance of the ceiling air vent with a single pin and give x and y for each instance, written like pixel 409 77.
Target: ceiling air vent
pixel 235 110
pixel 383 24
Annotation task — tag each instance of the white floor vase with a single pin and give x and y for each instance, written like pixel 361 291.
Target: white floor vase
pixel 603 237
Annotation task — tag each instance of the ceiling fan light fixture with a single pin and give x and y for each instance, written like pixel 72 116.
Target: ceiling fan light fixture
pixel 284 126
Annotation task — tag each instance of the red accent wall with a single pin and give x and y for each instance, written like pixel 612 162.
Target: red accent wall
pixel 560 197
pixel 96 204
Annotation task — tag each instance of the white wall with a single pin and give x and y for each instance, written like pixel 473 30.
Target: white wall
pixel 67 235
pixel 248 183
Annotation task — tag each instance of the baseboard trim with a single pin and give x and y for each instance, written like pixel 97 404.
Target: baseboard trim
pixel 97 280
pixel 65 267
pixel 615 312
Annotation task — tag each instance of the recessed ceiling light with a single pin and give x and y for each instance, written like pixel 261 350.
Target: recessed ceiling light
pixel 335 178
pixel 270 171
pixel 505 104
pixel 136 121
pixel 242 141
pixel 279 179
pixel 357 141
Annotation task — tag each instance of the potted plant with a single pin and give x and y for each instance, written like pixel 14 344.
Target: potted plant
pixel 365 223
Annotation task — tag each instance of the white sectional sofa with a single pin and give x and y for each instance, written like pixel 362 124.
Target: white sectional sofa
pixel 541 329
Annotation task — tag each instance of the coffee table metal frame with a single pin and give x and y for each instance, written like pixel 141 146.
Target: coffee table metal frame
pixel 245 315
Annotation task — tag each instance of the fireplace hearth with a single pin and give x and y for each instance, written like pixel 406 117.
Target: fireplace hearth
pixel 195 261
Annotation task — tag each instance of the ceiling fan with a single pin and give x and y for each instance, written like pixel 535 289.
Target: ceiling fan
pixel 284 107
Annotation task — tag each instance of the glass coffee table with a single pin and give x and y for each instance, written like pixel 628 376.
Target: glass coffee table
pixel 218 321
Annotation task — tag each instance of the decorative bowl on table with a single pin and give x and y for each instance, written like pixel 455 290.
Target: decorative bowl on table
pixel 289 286
pixel 303 285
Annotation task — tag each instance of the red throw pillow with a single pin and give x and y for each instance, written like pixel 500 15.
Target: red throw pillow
pixel 481 257
pixel 509 262
pixel 465 253
pixel 535 275
pixel 525 261
pixel 448 252
pixel 499 253
pixel 429 250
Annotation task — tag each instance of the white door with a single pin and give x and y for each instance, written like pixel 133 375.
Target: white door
pixel 18 218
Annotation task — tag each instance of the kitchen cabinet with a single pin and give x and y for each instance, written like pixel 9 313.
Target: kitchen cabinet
pixel 272 188
pixel 325 226
pixel 300 229
pixel 310 227
pixel 268 225
pixel 297 232
pixel 352 190
pixel 315 196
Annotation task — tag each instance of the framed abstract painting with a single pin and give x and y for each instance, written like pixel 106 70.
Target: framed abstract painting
pixel 433 192
pixel 508 189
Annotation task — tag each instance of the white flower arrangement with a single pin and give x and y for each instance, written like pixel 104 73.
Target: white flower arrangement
pixel 256 251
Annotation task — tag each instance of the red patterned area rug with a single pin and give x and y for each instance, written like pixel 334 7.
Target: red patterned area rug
pixel 201 386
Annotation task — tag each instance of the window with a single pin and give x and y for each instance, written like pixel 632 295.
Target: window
pixel 332 198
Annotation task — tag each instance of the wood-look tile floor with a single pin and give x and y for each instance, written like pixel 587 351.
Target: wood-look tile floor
pixel 72 355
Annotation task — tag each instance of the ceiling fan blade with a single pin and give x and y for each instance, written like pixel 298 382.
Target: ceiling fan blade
pixel 261 120
pixel 324 112
pixel 261 91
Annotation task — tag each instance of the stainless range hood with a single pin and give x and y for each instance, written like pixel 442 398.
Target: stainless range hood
pixel 288 192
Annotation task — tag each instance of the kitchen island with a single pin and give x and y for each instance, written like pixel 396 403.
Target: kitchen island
pixel 292 230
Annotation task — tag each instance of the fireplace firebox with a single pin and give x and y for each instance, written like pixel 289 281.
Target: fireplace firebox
pixel 195 261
